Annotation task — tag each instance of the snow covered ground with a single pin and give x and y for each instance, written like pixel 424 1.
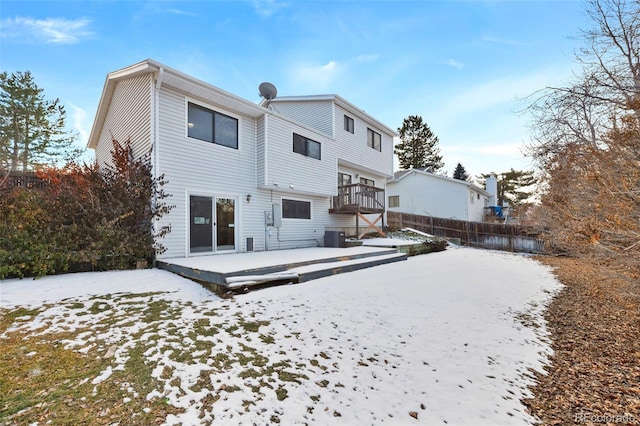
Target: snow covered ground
pixel 443 338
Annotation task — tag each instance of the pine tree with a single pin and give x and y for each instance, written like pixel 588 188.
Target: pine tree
pixel 32 129
pixel 512 186
pixel 460 173
pixel 419 146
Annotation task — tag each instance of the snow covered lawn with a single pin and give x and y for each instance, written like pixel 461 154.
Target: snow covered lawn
pixel 443 338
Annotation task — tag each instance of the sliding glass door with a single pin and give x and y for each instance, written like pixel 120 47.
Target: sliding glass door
pixel 212 230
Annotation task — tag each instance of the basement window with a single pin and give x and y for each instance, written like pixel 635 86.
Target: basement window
pixel 295 209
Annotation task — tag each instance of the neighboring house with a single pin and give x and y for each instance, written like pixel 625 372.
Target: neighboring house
pixel 243 176
pixel 421 192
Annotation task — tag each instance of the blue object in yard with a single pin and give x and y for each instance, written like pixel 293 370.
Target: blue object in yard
pixel 497 210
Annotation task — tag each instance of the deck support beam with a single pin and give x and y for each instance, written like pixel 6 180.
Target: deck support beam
pixel 372 225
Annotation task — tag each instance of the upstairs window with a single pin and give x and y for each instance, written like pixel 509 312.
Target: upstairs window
pixel 306 146
pixel 374 140
pixel 294 209
pixel 348 124
pixel 394 201
pixel 211 126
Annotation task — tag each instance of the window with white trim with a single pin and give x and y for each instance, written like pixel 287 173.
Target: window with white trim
pixel 374 139
pixel 211 126
pixel 394 201
pixel 349 124
pixel 296 209
pixel 306 146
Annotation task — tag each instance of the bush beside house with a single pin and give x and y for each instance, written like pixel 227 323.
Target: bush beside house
pixel 83 218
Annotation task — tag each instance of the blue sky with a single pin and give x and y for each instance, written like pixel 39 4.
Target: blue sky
pixel 461 65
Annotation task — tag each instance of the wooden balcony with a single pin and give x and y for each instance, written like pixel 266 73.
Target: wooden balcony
pixel 358 198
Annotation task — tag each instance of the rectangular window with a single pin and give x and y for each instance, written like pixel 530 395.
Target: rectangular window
pixel 348 124
pixel 211 126
pixel 344 179
pixel 294 209
pixel 368 182
pixel 374 140
pixel 394 201
pixel 306 146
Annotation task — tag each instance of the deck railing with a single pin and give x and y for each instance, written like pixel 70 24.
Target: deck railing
pixel 358 197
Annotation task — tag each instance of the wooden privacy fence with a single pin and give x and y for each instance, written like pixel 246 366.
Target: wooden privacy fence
pixel 479 234
pixel 25 180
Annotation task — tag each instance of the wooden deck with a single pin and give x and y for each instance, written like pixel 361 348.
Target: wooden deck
pixel 222 273
pixel 358 198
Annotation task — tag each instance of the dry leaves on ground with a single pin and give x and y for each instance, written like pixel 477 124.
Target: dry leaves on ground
pixel 594 374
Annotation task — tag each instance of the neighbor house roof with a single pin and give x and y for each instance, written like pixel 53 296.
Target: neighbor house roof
pixel 402 174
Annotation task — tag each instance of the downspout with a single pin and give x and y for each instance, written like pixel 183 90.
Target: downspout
pixel 155 135
pixel 265 180
pixel 156 119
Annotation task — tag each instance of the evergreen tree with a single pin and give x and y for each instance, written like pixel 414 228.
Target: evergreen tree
pixel 460 173
pixel 512 186
pixel 419 146
pixel 32 129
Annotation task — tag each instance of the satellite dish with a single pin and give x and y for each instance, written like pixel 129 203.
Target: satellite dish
pixel 267 91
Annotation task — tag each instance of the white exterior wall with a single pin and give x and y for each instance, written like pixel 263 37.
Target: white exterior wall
pixel 477 203
pixel 352 147
pixel 264 156
pixel 285 167
pixel 430 196
pixel 194 167
pixel 317 114
pixel 129 117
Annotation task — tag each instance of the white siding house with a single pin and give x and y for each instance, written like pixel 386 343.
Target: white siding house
pixel 242 176
pixel 420 192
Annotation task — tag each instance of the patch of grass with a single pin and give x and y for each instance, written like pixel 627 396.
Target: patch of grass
pixel 253 326
pixel 267 339
pixel 281 393
pixel 250 372
pixel 11 316
pixel 98 307
pixel 287 376
pixel 155 310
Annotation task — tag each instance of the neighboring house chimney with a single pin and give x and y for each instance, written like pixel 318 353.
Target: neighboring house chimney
pixel 491 185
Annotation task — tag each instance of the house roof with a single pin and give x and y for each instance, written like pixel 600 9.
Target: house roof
pixel 168 76
pixel 339 100
pixel 192 86
pixel 402 174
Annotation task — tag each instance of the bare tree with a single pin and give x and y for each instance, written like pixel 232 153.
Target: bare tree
pixel 586 139
pixel 586 109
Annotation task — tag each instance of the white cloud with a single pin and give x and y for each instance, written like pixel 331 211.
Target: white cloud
pixel 50 30
pixel 267 8
pixel 314 78
pixel 181 12
pixel 505 41
pixel 454 64
pixel 371 57
pixel 79 117
pixel 504 91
